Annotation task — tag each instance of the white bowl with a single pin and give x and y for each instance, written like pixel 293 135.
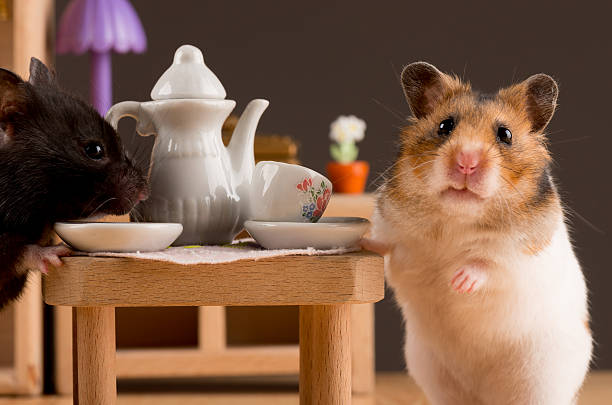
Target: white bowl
pixel 287 192
pixel 328 233
pixel 118 236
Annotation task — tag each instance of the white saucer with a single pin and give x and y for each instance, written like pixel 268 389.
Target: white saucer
pixel 328 233
pixel 118 236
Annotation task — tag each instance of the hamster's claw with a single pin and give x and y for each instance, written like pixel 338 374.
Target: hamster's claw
pixel 468 280
pixel 39 258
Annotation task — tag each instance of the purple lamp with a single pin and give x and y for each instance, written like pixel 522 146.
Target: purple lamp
pixel 100 26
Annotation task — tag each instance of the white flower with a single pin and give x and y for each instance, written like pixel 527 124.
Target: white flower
pixel 347 128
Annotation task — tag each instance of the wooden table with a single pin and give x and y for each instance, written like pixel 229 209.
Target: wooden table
pixel 323 286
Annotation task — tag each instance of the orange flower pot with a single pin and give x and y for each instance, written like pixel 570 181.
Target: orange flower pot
pixel 348 177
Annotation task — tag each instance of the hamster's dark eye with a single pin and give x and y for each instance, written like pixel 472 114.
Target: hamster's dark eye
pixel 94 150
pixel 504 135
pixel 446 127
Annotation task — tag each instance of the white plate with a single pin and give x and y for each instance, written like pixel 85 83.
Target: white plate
pixel 118 236
pixel 328 233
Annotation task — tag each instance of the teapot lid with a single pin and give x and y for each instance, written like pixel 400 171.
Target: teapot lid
pixel 188 77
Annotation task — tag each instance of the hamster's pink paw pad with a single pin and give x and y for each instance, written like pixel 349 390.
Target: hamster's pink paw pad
pixel 468 279
pixel 38 257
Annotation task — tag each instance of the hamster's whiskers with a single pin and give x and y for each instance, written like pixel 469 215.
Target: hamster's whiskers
pixel 509 168
pixel 504 200
pixel 578 139
pixel 101 205
pixel 399 174
pixel 381 176
pixel 396 114
pixel 86 207
pixel 423 154
pixel 423 164
pixel 136 214
pixel 512 185
pixel 572 211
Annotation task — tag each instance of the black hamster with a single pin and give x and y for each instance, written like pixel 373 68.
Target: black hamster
pixel 59 160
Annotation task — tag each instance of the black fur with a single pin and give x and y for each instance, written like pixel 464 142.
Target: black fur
pixel 485 97
pixel 45 174
pixel 545 189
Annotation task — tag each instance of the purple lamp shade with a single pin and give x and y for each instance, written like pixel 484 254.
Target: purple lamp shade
pixel 100 26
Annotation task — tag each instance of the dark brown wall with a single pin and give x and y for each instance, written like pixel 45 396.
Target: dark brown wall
pixel 315 60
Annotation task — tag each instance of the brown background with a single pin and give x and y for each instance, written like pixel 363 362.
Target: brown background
pixel 316 60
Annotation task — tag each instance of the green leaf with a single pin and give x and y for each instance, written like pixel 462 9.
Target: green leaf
pixel 345 152
pixel 335 152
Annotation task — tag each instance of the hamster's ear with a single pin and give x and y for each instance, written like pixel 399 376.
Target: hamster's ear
pixel 424 86
pixel 541 93
pixel 11 89
pixel 40 74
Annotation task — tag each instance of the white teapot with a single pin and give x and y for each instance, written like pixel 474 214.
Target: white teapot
pixel 195 180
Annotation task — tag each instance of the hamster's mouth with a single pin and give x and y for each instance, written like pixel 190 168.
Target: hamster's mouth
pixel 463 194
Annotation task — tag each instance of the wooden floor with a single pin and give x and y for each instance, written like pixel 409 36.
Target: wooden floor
pixel 391 389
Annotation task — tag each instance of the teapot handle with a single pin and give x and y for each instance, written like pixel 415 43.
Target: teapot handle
pixel 132 109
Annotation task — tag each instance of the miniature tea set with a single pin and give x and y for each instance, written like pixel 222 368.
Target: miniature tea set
pixel 205 193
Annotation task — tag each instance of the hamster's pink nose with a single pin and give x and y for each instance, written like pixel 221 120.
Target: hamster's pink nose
pixel 143 195
pixel 468 161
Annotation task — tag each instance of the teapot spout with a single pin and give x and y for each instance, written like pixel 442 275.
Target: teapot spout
pixel 241 146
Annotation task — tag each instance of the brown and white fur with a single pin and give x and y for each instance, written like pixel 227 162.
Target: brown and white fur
pixel 477 250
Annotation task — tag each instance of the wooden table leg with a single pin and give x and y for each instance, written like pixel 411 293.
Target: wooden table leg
pixel 94 343
pixel 362 348
pixel 75 367
pixel 325 354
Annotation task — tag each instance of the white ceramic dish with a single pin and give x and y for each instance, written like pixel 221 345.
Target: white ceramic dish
pixel 328 233
pixel 118 236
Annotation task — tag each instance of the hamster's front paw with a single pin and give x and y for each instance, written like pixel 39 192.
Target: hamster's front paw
pixel 38 258
pixel 375 246
pixel 468 279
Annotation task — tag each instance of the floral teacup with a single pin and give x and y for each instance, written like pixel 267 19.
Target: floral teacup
pixel 286 192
